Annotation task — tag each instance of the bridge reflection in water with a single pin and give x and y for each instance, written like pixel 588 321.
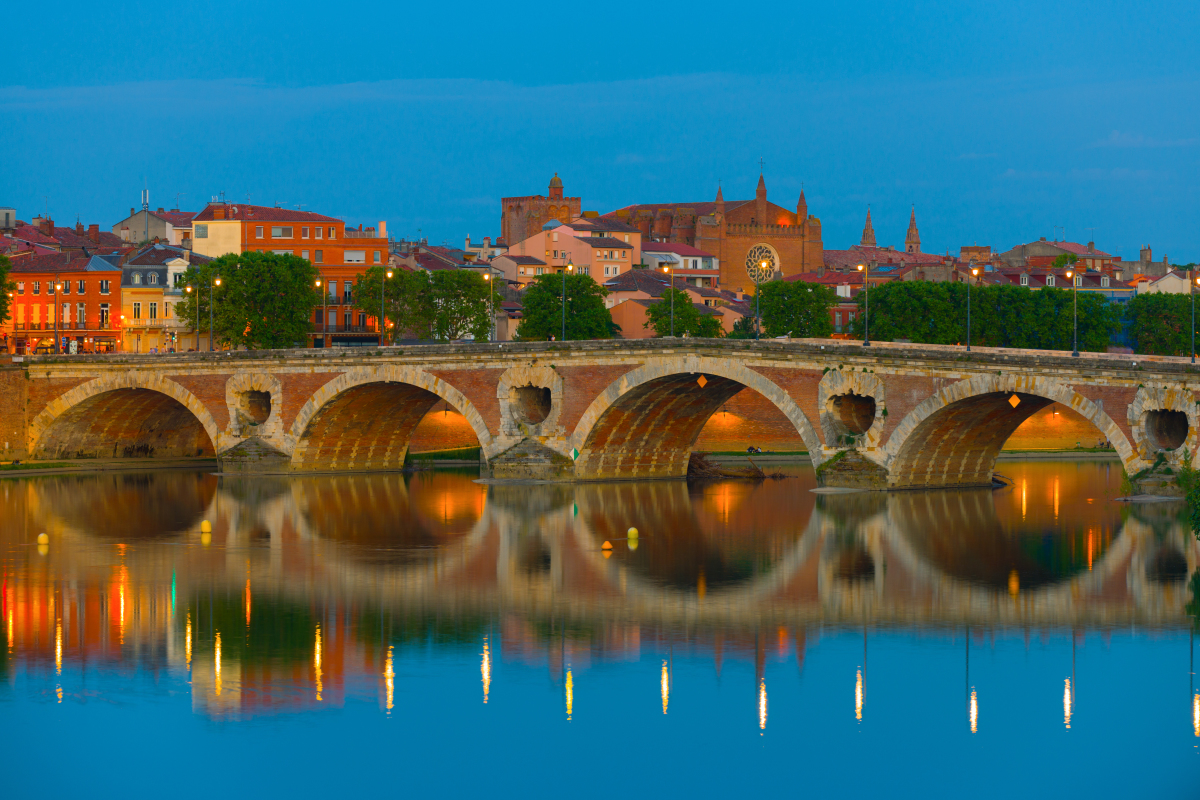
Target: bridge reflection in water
pixel 310 588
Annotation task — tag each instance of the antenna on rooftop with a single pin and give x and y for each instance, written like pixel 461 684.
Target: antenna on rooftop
pixel 177 196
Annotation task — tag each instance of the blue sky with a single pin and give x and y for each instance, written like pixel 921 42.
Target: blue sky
pixel 1000 121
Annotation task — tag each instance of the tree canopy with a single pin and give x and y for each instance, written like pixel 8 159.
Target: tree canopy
pixel 689 320
pixel 265 300
pixel 542 309
pixel 743 328
pixel 442 305
pixel 1001 316
pixel 796 308
pixel 1160 324
pixel 6 286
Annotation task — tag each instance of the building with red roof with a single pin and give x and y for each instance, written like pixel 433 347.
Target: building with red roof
pixel 171 227
pixel 76 294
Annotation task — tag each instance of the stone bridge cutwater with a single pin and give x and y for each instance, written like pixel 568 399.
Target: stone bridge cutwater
pixel 885 417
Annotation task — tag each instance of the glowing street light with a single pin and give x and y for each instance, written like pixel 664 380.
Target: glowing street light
pixel 1075 281
pixel 188 288
pixel 382 319
pixel 487 281
pixel 865 269
pixel 215 282
pixel 974 272
pixel 570 267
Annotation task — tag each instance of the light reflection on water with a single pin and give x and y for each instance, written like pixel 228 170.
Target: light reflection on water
pixel 468 612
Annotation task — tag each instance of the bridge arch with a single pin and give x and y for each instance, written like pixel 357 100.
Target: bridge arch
pixel 128 415
pixel 954 436
pixel 364 419
pixel 645 423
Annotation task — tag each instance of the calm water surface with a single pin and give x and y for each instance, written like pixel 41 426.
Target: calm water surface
pixel 410 635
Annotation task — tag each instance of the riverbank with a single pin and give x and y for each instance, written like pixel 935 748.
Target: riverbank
pixel 802 457
pixel 31 469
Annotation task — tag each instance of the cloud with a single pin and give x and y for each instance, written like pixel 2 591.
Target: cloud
pixel 1119 139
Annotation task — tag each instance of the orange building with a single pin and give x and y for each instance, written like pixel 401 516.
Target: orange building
pixel 339 253
pixel 84 309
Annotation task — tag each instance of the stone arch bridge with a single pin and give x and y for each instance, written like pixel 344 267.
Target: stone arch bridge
pixel 887 416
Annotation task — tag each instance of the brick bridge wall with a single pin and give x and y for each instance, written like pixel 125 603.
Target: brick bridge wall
pixel 915 415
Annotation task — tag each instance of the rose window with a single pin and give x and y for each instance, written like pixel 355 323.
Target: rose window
pixel 761 264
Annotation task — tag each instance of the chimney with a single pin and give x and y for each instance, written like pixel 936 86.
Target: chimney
pixel 160 210
pixel 47 227
pixel 382 229
pixel 79 227
pixel 1146 257
pixel 219 212
pixel 1091 247
pixel 94 233
pixel 131 211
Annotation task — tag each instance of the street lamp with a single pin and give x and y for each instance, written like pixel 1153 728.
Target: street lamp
pixel 671 270
pixel 974 272
pixel 1192 291
pixel 189 291
pixel 1075 281
pixel 757 301
pixel 570 267
pixel 57 312
pixel 324 311
pixel 865 269
pixel 214 282
pixel 487 281
pixel 382 319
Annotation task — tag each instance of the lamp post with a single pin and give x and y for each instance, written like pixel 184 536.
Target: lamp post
pixel 974 272
pixel 487 282
pixel 382 320
pixel 570 267
pixel 865 269
pixel 1075 280
pixel 189 291
pixel 212 283
pixel 57 312
pixel 324 311
pixel 671 270
pixel 1192 291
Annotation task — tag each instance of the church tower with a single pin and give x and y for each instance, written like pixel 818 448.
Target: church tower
pixel 801 209
pixel 760 202
pixel 556 188
pixel 868 239
pixel 912 242
pixel 720 202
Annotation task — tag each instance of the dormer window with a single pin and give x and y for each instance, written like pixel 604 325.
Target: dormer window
pixel 1079 280
pixel 152 278
pixel 1049 280
pixel 137 279
pixel 1024 280
pixel 1104 282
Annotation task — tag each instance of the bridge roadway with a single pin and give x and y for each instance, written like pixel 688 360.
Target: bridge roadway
pixel 885 416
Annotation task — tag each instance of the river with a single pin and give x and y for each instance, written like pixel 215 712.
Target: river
pixel 187 634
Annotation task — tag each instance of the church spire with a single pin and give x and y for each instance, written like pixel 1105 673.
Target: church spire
pixel 760 201
pixel 912 242
pixel 720 203
pixel 801 209
pixel 868 239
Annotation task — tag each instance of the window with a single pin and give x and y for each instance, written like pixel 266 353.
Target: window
pixel 136 278
pixel 597 254
pixel 304 255
pixel 80 313
pixel 258 232
pixel 520 270
pixel 20 287
pixel 152 277
pixel 66 313
pixel 627 238
pixel 66 287
pixel 332 232
pixel 137 310
pixel 104 285
pixel 585 271
pixel 320 257
pixel 1049 280
pixel 1079 280
pixel 154 311
pixel 81 288
pixel 49 287
pixel 355 256
pixel 332 286
pixel 200 231
pixel 1104 282
pixel 103 310
pixel 282 252
pixel 37 287
pixel 166 310
pixel 304 232
pixel 281 232
pixel 378 257
pixel 320 231
pixel 554 236
pixel 1024 280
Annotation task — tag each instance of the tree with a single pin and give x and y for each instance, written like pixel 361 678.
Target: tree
pixel 542 310
pixel 6 286
pixel 688 319
pixel 1001 316
pixel 796 308
pixel 1160 324
pixel 743 328
pixel 1065 260
pixel 265 300
pixel 443 305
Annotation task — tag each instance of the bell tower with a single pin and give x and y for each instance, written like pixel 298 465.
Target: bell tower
pixel 912 242
pixel 868 237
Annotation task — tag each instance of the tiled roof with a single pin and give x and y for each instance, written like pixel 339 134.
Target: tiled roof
pixel 29 233
pixel 179 219
pixel 1076 248
pixel 605 241
pixel 241 211
pixel 701 209
pixel 158 254
pixel 64 262
pixel 432 262
pixel 677 249
pixel 605 224
pixel 522 259
pixel 638 280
